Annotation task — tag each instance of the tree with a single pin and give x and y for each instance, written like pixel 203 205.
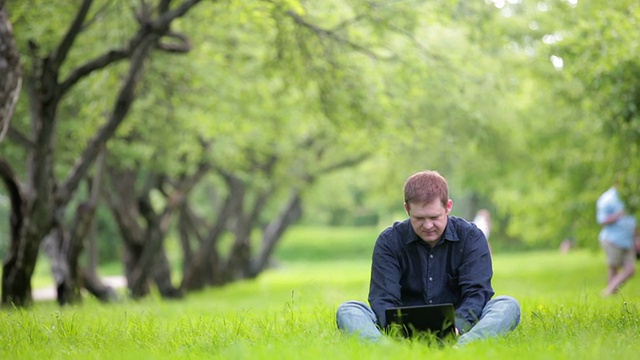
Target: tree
pixel 272 132
pixel 578 117
pixel 41 201
pixel 450 108
pixel 339 94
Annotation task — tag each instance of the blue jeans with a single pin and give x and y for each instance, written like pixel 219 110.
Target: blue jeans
pixel 499 316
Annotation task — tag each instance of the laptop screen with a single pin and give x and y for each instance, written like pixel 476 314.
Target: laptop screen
pixel 411 320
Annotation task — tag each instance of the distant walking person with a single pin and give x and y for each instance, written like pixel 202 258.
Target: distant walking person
pixel 617 238
pixel 483 222
pixel 431 258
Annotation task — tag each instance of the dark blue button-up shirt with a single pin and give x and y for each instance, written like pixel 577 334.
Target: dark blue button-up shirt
pixel 406 271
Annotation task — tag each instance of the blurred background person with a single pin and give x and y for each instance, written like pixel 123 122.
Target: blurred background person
pixel 567 244
pixel 483 222
pixel 617 238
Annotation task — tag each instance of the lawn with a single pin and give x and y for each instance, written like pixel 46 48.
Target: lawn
pixel 289 313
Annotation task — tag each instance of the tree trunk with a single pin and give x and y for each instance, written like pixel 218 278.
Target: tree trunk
pixel 14 282
pixel 72 246
pixel 10 71
pixel 97 288
pixel 273 232
pixel 146 256
pixel 203 267
pixel 239 258
pixel 122 201
pixel 152 261
pixel 232 268
pixel 130 256
pixel 89 275
pixel 162 277
pixel 207 267
pixel 52 246
pixel 65 255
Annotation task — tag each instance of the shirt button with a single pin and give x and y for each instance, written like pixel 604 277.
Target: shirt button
pixel 430 279
pixel 430 301
pixel 431 256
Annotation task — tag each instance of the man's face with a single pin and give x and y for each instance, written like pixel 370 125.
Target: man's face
pixel 429 220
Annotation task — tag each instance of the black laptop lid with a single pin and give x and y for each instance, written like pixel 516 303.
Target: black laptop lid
pixel 410 320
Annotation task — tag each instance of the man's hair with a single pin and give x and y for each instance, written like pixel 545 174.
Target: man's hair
pixel 426 186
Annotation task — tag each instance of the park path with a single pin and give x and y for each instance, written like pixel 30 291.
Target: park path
pixel 49 293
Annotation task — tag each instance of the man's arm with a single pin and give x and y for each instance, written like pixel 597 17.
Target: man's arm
pixel 475 274
pixel 384 288
pixel 610 219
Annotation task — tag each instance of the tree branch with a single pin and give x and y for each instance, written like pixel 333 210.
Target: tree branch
pixel 332 35
pixel 17 199
pixel 159 27
pixel 148 36
pixel 76 26
pixel 183 45
pixel 20 138
pixel 100 62
pixel 121 108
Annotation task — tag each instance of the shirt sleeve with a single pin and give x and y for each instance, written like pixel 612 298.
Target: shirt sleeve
pixel 384 289
pixel 474 279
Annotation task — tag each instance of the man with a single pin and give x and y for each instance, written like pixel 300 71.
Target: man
pixel 431 258
pixel 617 238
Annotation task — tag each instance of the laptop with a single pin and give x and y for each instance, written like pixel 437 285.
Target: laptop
pixel 410 321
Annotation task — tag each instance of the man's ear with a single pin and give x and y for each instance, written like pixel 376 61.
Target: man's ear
pixel 449 206
pixel 406 208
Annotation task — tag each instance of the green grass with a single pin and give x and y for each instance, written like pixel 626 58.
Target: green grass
pixel 289 313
